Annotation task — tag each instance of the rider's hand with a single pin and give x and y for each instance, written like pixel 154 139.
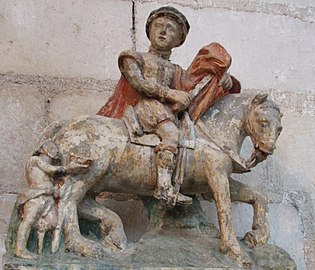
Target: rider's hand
pixel 226 82
pixel 180 99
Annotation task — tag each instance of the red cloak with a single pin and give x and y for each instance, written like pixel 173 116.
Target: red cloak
pixel 212 59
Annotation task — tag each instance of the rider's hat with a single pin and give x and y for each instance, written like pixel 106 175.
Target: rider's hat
pixel 173 13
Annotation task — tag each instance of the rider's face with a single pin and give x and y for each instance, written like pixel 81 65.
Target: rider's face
pixel 164 34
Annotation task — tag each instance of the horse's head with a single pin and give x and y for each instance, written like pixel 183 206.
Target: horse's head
pixel 263 124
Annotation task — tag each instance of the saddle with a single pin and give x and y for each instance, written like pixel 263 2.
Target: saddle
pixel 137 136
pixel 186 140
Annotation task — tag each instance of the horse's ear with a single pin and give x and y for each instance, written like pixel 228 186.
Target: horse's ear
pixel 259 99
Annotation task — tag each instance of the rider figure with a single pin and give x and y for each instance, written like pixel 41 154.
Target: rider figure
pixel 161 92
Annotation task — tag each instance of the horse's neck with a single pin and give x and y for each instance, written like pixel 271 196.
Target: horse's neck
pixel 225 121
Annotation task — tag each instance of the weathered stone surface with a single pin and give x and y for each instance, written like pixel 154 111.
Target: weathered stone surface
pixel 165 251
pixel 63 38
pixel 286 226
pixel 175 241
pixel 29 103
pixel 6 206
pixel 73 103
pixel 22 108
pixel 303 11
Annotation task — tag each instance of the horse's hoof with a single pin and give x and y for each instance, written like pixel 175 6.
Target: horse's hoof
pixel 247 265
pixel 115 243
pixel 26 255
pixel 87 248
pixel 250 239
pixel 237 255
pixel 241 259
pixel 256 238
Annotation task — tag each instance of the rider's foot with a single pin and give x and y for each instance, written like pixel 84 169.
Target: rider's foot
pixel 183 199
pixel 165 195
pixel 169 197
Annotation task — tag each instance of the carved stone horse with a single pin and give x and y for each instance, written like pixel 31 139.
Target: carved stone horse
pixel 119 166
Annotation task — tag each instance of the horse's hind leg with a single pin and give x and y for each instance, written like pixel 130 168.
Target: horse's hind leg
pixel 74 241
pixel 260 228
pixel 112 230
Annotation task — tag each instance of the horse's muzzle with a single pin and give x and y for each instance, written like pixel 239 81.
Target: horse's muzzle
pixel 267 148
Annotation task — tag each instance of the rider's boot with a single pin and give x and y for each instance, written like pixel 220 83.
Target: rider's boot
pixel 165 192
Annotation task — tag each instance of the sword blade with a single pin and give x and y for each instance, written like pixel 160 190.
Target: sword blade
pixel 193 93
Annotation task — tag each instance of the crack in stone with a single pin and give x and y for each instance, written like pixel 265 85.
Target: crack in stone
pixel 133 28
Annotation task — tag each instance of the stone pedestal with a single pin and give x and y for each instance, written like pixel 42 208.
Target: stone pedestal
pixel 178 238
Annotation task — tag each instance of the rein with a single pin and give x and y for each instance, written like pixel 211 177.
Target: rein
pixel 256 157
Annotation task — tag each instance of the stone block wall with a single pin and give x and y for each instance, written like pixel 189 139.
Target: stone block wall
pixel 59 60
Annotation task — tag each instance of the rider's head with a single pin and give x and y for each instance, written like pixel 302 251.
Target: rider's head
pixel 167 28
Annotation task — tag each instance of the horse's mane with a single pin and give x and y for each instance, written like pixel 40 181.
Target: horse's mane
pixel 236 102
pixel 270 104
pixel 232 108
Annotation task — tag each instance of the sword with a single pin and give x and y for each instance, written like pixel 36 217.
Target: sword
pixel 193 93
pixel 224 148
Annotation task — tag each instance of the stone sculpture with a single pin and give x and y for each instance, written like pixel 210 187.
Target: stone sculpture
pixel 159 90
pixel 161 123
pixel 48 186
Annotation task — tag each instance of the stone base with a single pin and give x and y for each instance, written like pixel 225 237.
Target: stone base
pixel 161 249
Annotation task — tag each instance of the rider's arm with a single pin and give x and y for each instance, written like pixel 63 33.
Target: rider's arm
pixel 149 88
pixel 132 72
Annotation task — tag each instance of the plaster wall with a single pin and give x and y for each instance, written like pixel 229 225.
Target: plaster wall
pixel 59 60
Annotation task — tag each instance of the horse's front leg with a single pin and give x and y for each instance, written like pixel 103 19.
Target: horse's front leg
pixel 219 185
pixel 260 228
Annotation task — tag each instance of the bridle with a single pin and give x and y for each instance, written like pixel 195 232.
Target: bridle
pixel 256 157
pixel 258 153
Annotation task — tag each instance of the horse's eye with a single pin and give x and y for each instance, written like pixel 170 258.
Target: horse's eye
pixel 264 123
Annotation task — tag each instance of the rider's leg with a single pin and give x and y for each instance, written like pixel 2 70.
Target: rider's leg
pixel 166 161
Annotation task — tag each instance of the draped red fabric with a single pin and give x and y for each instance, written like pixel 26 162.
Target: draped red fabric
pixel 211 59
pixel 123 96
